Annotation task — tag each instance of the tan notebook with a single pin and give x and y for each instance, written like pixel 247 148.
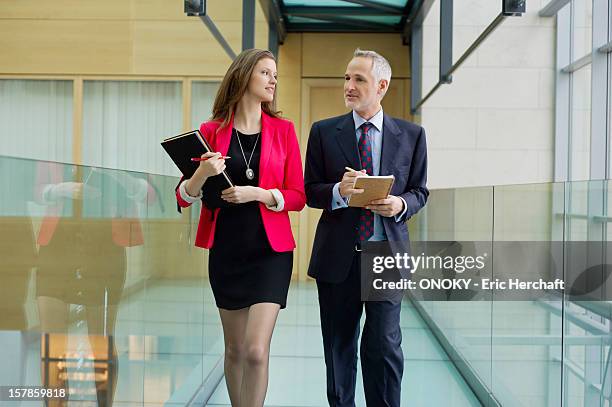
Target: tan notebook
pixel 374 187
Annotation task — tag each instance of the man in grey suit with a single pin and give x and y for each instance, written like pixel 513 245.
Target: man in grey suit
pixel 372 143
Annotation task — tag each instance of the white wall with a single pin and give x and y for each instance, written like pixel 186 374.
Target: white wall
pixel 494 124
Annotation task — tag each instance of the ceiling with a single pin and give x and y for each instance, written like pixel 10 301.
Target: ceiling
pixel 345 15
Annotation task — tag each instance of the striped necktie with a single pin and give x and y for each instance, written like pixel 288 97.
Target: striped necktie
pixel 366 219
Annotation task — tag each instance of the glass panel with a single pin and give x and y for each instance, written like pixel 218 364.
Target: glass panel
pixel 587 330
pixel 103 292
pixel 319 3
pixel 36 119
pixel 465 216
pixel 338 3
pixel 526 334
pixel 580 142
pixel 609 120
pixel 124 123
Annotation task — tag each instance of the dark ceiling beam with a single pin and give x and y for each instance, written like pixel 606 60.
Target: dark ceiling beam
pixel 408 10
pixel 417 15
pixel 301 11
pixel 378 6
pixel 274 14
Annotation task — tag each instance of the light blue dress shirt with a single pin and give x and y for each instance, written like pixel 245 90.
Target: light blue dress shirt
pixel 375 136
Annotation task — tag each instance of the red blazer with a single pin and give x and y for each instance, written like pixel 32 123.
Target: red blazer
pixel 280 167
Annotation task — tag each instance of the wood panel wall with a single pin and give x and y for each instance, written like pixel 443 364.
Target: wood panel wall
pixel 118 37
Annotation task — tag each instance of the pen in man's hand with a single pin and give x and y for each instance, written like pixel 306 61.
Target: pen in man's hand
pixel 206 158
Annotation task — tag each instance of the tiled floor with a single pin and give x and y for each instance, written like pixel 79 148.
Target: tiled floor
pixel 297 348
pixel 169 337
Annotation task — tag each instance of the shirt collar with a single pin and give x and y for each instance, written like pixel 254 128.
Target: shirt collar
pixel 376 121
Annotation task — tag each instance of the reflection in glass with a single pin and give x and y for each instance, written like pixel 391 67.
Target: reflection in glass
pixel 91 218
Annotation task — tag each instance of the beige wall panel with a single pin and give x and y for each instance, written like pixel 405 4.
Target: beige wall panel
pixel 157 10
pixel 327 100
pixel 261 28
pixel 229 10
pixel 289 79
pixel 290 56
pixel 394 102
pixel 326 55
pixel 407 104
pixel 181 48
pixel 65 47
pixel 218 10
pixel 289 102
pixel 67 9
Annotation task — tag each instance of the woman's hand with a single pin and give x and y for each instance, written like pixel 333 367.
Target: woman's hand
pixel 213 165
pixel 242 194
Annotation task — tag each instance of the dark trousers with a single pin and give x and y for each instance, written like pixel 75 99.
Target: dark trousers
pixel 382 360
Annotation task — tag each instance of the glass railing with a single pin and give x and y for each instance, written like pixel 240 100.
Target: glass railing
pixel 545 350
pixel 102 291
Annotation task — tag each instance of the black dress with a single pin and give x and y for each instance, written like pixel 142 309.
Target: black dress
pixel 242 267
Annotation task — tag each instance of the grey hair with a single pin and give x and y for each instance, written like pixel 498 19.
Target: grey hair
pixel 380 66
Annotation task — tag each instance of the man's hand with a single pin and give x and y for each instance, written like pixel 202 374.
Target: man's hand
pixel 348 180
pixel 388 207
pixel 241 194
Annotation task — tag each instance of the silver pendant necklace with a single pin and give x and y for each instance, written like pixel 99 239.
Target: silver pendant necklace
pixel 250 174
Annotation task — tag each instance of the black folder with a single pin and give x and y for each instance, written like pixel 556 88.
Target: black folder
pixel 185 146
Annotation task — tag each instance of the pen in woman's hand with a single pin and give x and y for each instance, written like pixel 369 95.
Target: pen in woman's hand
pixel 206 158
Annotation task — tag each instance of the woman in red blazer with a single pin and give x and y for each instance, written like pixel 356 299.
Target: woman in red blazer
pixel 247 227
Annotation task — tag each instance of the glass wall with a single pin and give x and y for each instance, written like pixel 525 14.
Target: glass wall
pixel 583 85
pixel 550 350
pixel 103 292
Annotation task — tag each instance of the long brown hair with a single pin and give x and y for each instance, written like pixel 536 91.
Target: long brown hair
pixel 235 83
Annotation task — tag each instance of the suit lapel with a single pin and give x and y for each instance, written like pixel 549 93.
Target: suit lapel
pixel 390 144
pixel 267 135
pixel 347 140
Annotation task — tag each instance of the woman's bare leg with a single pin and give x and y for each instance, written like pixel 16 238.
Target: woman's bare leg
pixel 234 329
pixel 260 325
